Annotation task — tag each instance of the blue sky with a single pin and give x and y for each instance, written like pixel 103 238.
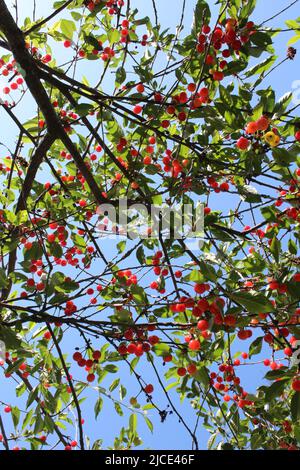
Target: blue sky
pixel 168 435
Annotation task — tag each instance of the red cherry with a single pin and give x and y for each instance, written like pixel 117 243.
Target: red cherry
pixel 296 385
pixel 140 88
pixel 149 389
pixel 205 29
pixel 199 288
pixel 192 369
pixel 77 356
pixel 202 325
pixel 242 143
pixel 218 76
pixel 96 355
pixel 137 109
pixel 181 371
pixel 262 123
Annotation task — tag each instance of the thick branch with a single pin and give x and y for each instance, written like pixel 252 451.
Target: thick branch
pixel 16 42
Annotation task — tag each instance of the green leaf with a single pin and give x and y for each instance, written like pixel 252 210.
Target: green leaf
pixel 208 271
pixel 202 376
pixel 32 396
pixel 123 392
pixel 111 368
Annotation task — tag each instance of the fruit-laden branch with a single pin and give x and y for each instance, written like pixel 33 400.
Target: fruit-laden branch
pixel 16 42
